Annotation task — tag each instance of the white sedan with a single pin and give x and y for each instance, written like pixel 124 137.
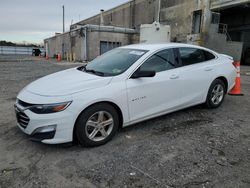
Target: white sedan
pixel 121 87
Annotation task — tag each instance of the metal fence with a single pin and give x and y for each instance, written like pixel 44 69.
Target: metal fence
pixel 13 50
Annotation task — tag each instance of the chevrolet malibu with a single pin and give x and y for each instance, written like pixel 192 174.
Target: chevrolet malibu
pixel 122 87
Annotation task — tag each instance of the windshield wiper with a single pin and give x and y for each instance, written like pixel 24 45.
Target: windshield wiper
pixel 84 69
pixel 93 71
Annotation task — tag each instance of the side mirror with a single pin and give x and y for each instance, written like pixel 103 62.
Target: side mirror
pixel 140 74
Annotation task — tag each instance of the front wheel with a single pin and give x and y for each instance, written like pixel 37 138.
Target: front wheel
pixel 216 94
pixel 97 125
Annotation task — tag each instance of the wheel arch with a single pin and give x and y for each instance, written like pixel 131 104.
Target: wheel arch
pixel 224 79
pixel 117 108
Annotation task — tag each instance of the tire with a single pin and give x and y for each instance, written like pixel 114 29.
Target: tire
pixel 216 94
pixel 97 125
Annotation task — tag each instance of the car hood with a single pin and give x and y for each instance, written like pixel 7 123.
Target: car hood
pixel 66 82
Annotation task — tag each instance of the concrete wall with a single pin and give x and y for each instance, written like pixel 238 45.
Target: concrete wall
pixel 77 47
pixel 144 12
pixel 129 15
pixel 179 16
pixel 176 13
pixel 55 44
pixel 76 43
pixel 218 42
pixel 49 45
pixel 170 3
pixel 94 39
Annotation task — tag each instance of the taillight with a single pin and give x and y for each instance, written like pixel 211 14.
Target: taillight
pixel 235 64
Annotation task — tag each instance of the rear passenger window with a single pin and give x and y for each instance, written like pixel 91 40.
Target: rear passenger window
pixel 208 55
pixel 191 56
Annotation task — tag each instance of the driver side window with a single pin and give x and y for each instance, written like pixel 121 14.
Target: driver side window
pixel 161 61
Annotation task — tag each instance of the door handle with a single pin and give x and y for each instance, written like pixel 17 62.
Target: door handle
pixel 208 69
pixel 174 76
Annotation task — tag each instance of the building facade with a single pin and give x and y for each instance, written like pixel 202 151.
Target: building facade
pixel 222 25
pixel 89 41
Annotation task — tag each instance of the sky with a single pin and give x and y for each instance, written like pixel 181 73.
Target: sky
pixel 31 21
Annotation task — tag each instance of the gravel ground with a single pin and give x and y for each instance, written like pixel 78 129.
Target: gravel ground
pixel 195 147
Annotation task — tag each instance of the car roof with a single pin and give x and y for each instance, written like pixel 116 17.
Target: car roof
pixel 153 47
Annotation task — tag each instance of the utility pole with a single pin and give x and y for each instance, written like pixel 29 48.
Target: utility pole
pixel 63 20
pixel 63 52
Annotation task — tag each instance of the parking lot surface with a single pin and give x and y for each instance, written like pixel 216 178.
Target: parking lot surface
pixel 195 147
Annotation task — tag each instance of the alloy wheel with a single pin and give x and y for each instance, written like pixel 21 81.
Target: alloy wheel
pixel 217 94
pixel 99 126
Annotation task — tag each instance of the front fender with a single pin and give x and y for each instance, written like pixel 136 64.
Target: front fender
pixel 115 93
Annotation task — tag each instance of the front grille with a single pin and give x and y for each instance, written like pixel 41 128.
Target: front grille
pixel 22 118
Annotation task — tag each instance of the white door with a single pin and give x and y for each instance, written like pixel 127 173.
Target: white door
pixel 197 73
pixel 158 94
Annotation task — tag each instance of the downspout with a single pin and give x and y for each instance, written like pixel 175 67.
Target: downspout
pixel 71 51
pixel 206 16
pixel 206 22
pixel 132 14
pixel 85 44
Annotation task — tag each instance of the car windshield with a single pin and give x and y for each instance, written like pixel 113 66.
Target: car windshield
pixel 114 62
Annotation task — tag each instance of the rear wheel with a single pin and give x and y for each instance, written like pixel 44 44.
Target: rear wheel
pixel 216 94
pixel 97 125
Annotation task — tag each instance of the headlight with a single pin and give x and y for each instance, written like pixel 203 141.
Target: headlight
pixel 49 108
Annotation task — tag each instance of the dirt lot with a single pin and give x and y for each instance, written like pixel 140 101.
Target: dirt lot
pixel 195 147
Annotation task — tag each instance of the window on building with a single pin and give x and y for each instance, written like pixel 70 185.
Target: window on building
pixel 215 18
pixel 170 3
pixel 107 45
pixel 196 26
pixel 73 41
pixel 160 61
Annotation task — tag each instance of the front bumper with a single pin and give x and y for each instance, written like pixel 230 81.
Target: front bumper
pixel 44 133
pixel 55 128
